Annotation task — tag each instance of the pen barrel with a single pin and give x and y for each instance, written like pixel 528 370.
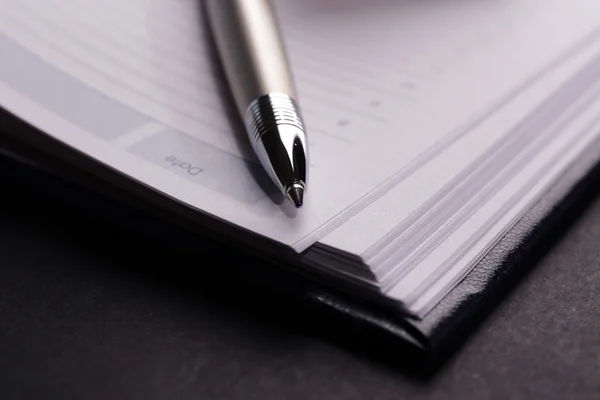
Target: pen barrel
pixel 252 53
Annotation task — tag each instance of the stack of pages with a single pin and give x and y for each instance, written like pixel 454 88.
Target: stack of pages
pixel 433 125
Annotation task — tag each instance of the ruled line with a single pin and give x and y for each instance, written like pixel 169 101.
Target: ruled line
pixel 137 135
pixel 321 99
pixel 192 113
pixel 343 75
pixel 118 61
pixel 88 66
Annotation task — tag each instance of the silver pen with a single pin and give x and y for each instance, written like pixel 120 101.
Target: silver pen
pixel 247 38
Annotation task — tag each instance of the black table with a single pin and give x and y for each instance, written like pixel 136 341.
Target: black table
pixel 82 318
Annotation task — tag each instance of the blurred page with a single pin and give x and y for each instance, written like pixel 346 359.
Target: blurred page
pixel 136 86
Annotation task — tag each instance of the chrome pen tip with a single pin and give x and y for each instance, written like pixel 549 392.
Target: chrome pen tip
pixel 295 193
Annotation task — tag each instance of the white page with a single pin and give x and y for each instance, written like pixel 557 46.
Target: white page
pixel 458 262
pixel 148 64
pixel 500 166
pixel 541 160
pixel 379 222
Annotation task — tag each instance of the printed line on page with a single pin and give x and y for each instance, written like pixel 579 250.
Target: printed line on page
pixel 139 134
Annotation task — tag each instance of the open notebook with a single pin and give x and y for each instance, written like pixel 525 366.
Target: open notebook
pixel 433 126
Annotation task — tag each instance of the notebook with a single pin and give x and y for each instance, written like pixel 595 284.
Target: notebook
pixel 434 127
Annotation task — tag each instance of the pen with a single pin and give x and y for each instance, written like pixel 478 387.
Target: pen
pixel 254 59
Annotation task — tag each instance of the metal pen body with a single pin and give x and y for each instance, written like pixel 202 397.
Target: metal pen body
pixel 256 65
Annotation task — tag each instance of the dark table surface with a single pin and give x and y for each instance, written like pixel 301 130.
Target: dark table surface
pixel 80 318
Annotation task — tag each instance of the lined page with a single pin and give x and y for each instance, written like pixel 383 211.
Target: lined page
pixel 478 236
pixel 384 223
pixel 135 85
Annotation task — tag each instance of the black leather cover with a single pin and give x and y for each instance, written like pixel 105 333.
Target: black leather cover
pixel 423 344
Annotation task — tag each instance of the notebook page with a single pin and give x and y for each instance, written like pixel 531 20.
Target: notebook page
pixel 378 224
pixel 147 64
pixel 481 207
pixel 475 49
pixel 582 134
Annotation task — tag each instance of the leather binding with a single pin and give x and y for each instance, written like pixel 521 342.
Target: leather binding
pixel 419 346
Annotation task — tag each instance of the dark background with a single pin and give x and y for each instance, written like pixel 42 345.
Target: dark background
pixel 83 315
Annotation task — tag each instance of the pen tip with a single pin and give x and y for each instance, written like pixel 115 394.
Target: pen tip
pixel 296 195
